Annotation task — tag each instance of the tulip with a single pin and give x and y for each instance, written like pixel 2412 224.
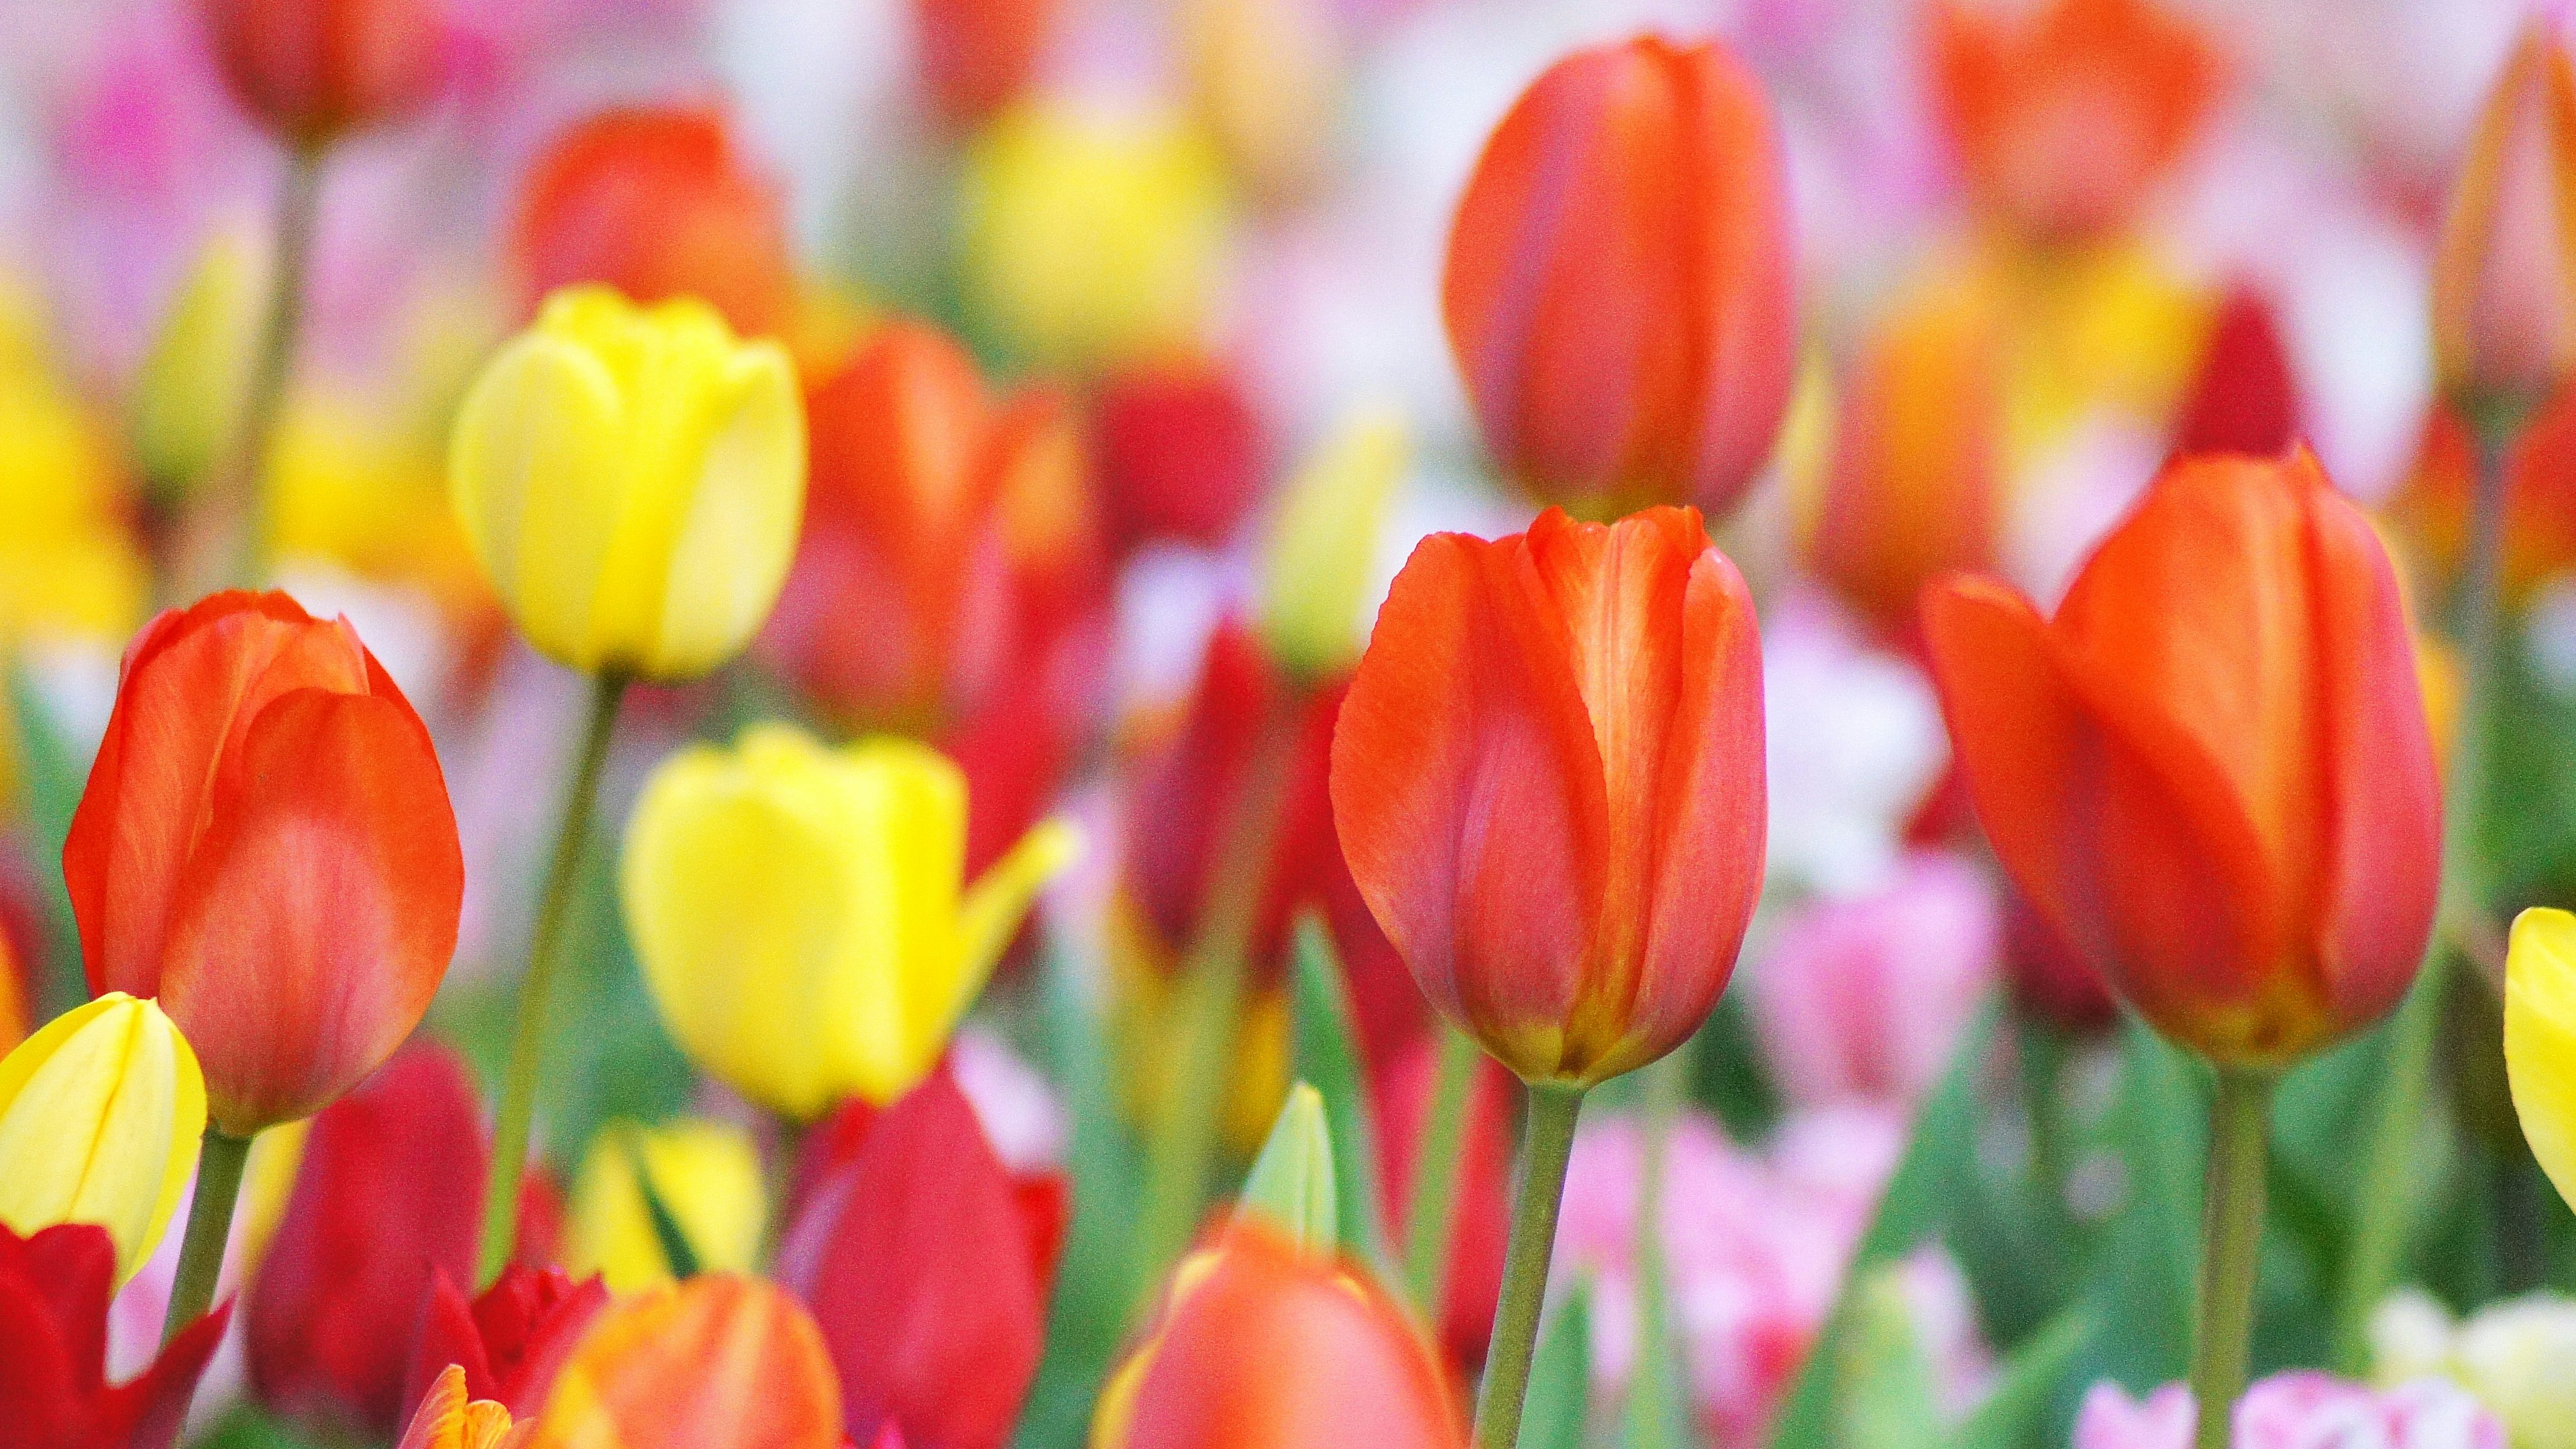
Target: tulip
pixel 2245 399
pixel 705 1175
pixel 54 1293
pixel 1618 289
pixel 1322 556
pixel 2294 1410
pixel 2063 119
pixel 927 1267
pixel 2540 1038
pixel 2509 1356
pixel 447 1419
pixel 2536 509
pixel 265 845
pixel 100 1113
pixel 189 394
pixel 2211 772
pixel 800 917
pixel 631 479
pixel 1260 1344
pixel 70 567
pixel 2504 271
pixel 717 1362
pixel 659 202
pixel 1181 454
pixel 313 70
pixel 1264 77
pixel 507 1345
pixel 977 56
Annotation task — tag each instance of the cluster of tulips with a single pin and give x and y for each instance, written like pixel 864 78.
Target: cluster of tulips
pixel 2233 783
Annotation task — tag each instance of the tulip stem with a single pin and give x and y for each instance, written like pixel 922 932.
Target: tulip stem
pixel 1429 1217
pixel 1547 1141
pixel 210 1227
pixel 237 490
pixel 545 951
pixel 2231 1241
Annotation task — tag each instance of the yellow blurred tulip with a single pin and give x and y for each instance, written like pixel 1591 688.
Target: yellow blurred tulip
pixel 707 1178
pixel 69 569
pixel 632 480
pixel 2540 1038
pixel 100 1116
pixel 1323 544
pixel 189 394
pixel 2513 1357
pixel 801 916
pixel 1265 77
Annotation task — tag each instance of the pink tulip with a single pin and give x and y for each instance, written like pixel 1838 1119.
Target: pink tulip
pixel 2297 1410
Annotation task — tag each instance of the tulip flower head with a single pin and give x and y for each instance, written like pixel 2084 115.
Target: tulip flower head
pixel 706 1177
pixel 265 846
pixel 1618 291
pixel 2211 771
pixel 1548 780
pixel 508 1343
pixel 717 1362
pixel 54 1291
pixel 2504 274
pixel 801 916
pixel 2540 1038
pixel 313 70
pixel 977 56
pixel 448 1419
pixel 631 479
pixel 100 1115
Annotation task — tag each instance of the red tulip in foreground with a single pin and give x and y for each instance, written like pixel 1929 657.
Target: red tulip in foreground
pixel 54 1292
pixel 508 1343
pixel 313 70
pixel 1618 290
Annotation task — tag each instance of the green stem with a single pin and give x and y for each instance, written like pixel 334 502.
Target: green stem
pixel 2042 1055
pixel 210 1228
pixel 545 952
pixel 1546 1142
pixel 2385 1215
pixel 2231 1241
pixel 1431 1213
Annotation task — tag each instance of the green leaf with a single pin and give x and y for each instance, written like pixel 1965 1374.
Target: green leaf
pixel 1886 1395
pixel 2025 1383
pixel 677 1251
pixel 54 772
pixel 1559 1403
pixel 1326 1054
pixel 1291 1182
pixel 2141 1293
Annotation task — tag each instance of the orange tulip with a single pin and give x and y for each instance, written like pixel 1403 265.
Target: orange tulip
pixel 449 1420
pixel 1262 1345
pixel 2504 276
pixel 1548 780
pixel 2211 772
pixel 658 202
pixel 265 844
pixel 2064 120
pixel 2539 496
pixel 312 70
pixel 717 1362
pixel 1618 288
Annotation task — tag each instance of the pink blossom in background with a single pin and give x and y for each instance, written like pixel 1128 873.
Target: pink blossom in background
pixel 1865 995
pixel 2297 1410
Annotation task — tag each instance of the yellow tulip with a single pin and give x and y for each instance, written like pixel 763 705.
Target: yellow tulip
pixel 189 394
pixel 632 480
pixel 1323 544
pixel 800 913
pixel 2540 1038
pixel 100 1116
pixel 707 1176
pixel 69 567
pixel 2513 1357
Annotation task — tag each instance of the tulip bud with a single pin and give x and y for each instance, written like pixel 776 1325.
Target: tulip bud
pixel 447 1419
pixel 509 1343
pixel 1618 289
pixel 2245 399
pixel 100 1114
pixel 1548 778
pixel 1181 454
pixel 1323 545
pixel 2211 771
pixel 55 1287
pixel 717 1362
pixel 2540 1038
pixel 2504 272
pixel 265 846
pixel 631 480
pixel 312 70
pixel 800 914
pixel 659 203
pixel 189 395
pixel 704 1177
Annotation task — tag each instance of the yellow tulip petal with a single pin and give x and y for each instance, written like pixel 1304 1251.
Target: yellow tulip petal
pixel 100 1117
pixel 906 816
pixel 1000 899
pixel 535 477
pixel 708 1177
pixel 2540 1038
pixel 1323 548
pixel 743 515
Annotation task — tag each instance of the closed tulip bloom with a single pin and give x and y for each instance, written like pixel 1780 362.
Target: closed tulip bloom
pixel 706 1175
pixel 1182 455
pixel 2245 400
pixel 1548 778
pixel 312 70
pixel 266 847
pixel 448 1419
pixel 2540 1038
pixel 100 1114
pixel 2504 271
pixel 801 916
pixel 55 1287
pixel 717 1362
pixel 2211 771
pixel 1618 291
pixel 658 202
pixel 509 1343
pixel 631 480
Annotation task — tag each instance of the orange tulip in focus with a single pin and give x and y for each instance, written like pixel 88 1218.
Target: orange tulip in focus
pixel 1262 1345
pixel 658 202
pixel 1618 289
pixel 2539 497
pixel 2063 120
pixel 2504 276
pixel 2211 772
pixel 717 1362
pixel 1548 779
pixel 977 56
pixel 265 845
pixel 1917 460
pixel 313 70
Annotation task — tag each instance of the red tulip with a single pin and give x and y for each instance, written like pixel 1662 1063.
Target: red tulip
pixel 2211 770
pixel 2064 119
pixel 312 70
pixel 1480 1223
pixel 1264 1346
pixel 927 1267
pixel 1181 455
pixel 266 846
pixel 977 56
pixel 1618 289
pixel 1549 781
pixel 2539 497
pixel 510 1342
pixel 54 1292
pixel 2245 400
pixel 658 202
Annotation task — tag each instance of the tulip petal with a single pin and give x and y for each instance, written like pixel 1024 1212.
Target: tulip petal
pixel 2540 1039
pixel 738 525
pixel 719 1362
pixel 990 914
pixel 100 1116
